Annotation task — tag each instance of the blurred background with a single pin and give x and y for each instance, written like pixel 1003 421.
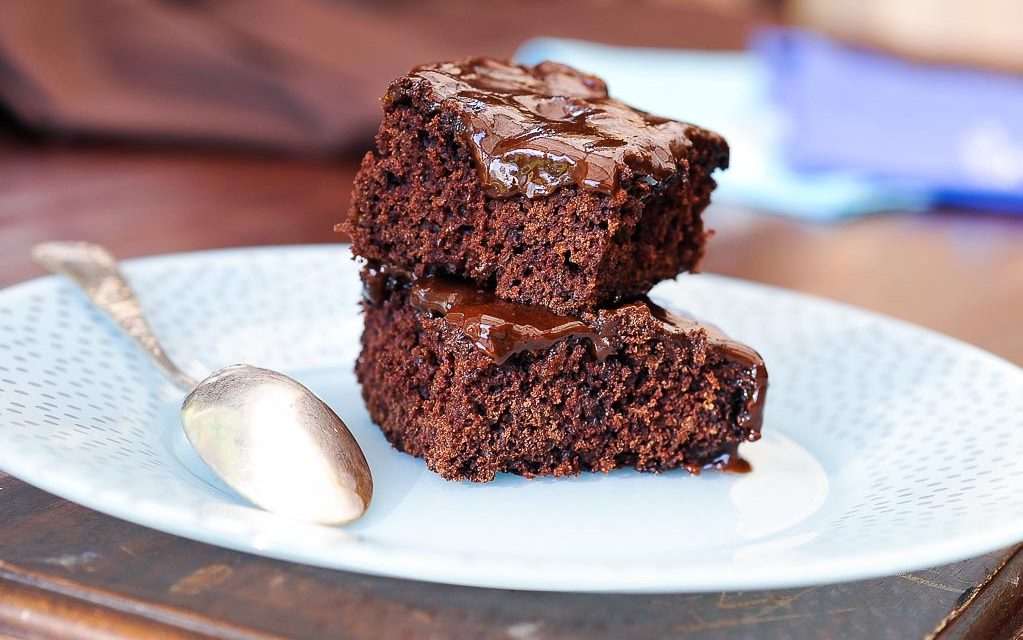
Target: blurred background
pixel 877 147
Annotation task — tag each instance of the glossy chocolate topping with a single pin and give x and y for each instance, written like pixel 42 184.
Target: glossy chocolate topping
pixel 534 129
pixel 501 329
pixel 730 462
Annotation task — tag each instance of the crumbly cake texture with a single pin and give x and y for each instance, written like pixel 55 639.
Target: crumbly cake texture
pixel 661 399
pixel 582 202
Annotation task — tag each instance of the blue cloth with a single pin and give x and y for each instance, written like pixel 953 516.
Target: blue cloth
pixel 956 133
pixel 728 92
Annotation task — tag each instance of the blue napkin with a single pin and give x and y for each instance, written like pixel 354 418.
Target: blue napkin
pixel 955 132
pixel 729 93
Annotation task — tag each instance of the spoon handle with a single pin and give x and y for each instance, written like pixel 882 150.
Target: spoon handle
pixel 93 269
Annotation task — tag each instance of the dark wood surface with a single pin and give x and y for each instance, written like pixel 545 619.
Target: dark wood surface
pixel 68 571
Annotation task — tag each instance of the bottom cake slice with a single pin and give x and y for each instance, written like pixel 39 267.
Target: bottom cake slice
pixel 478 386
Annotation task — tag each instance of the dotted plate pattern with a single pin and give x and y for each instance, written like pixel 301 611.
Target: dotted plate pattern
pixel 885 444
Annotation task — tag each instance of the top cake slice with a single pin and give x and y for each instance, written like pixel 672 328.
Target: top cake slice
pixel 533 183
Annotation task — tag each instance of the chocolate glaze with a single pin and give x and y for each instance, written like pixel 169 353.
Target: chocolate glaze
pixel 379 278
pixel 729 462
pixel 501 329
pixel 535 129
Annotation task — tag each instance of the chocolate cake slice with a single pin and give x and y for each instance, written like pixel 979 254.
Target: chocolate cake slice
pixel 533 183
pixel 477 386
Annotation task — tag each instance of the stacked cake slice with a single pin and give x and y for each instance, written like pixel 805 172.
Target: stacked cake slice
pixel 512 220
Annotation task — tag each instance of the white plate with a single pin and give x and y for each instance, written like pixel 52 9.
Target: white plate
pixel 886 447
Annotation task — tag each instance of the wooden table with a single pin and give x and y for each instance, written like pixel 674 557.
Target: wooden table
pixel 70 572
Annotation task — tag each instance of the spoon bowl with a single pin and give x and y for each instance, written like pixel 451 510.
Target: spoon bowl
pixel 274 442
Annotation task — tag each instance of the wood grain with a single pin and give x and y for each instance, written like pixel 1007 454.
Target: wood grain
pixel 29 612
pixel 994 609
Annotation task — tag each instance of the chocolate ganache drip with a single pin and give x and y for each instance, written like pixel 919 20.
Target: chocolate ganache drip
pixel 535 129
pixel 501 329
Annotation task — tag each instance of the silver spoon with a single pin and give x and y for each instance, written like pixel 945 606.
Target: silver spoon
pixel 267 436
